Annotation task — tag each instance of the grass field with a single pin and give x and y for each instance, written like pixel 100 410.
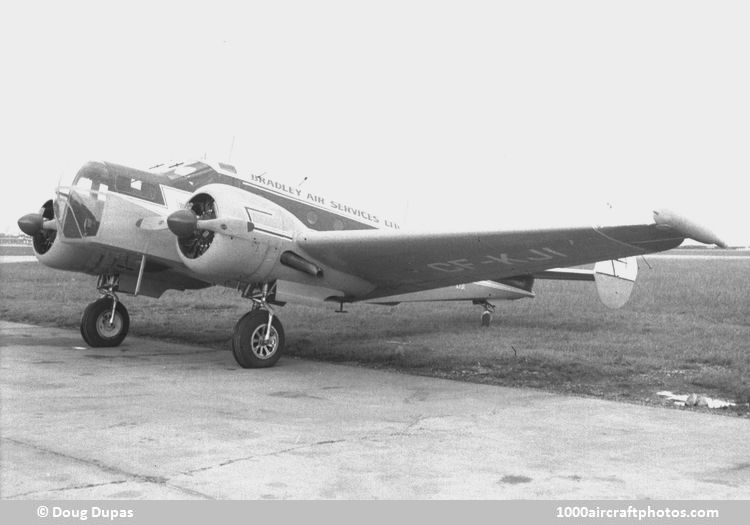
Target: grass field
pixel 14 249
pixel 686 329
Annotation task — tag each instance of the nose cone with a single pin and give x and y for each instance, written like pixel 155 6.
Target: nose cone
pixel 31 224
pixel 182 223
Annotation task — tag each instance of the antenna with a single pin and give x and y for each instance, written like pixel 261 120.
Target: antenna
pixel 231 150
pixel 301 183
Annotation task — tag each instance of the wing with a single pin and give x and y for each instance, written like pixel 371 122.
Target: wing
pixel 401 262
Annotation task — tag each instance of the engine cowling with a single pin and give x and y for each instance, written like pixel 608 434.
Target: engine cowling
pixel 48 247
pixel 211 244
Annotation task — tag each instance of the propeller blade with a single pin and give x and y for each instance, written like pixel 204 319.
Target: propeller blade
pixel 184 224
pixel 155 223
pixel 226 226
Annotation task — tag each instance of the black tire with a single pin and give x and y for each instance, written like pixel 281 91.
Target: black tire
pixel 248 345
pixel 95 323
pixel 486 319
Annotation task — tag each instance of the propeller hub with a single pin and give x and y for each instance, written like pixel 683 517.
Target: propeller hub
pixel 182 223
pixel 31 224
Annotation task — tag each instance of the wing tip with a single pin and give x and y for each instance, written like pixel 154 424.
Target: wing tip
pixel 687 227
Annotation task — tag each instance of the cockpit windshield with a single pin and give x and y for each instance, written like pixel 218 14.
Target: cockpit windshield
pixel 99 177
pixel 109 177
pixel 80 205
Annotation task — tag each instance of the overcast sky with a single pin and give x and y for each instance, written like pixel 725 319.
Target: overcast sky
pixel 442 113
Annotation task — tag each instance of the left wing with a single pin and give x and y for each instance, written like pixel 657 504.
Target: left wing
pixel 401 262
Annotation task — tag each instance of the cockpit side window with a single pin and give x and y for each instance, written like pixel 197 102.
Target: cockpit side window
pixel 84 183
pixel 90 184
pixel 141 189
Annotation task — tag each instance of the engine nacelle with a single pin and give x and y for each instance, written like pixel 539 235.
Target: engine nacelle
pixel 49 248
pixel 219 256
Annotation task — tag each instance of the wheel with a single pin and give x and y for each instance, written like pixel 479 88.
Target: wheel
pixel 486 318
pixel 96 328
pixel 249 346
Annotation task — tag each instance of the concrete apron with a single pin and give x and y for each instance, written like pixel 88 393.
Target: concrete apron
pixel 156 420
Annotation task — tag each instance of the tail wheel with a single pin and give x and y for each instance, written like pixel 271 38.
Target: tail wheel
pixel 251 347
pixel 100 328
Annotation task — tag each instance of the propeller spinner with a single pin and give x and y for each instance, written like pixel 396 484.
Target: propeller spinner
pixel 41 226
pixel 183 223
pixel 31 223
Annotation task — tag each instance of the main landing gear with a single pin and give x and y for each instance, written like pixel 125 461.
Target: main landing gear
pixel 258 337
pixel 487 313
pixel 105 322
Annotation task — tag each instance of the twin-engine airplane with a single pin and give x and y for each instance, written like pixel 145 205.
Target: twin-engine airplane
pixel 193 225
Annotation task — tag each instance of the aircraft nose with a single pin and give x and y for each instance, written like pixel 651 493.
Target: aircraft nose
pixel 31 224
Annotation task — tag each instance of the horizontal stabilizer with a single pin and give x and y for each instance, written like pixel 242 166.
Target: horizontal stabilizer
pixel 614 279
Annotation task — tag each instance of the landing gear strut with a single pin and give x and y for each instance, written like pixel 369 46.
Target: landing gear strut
pixel 105 322
pixel 258 337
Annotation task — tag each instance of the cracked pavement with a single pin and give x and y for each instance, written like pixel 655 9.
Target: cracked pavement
pixel 155 420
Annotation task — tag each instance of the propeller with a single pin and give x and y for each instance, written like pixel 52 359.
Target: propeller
pixel 41 226
pixel 155 223
pixel 193 242
pixel 184 223
pixel 31 223
pixel 195 227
